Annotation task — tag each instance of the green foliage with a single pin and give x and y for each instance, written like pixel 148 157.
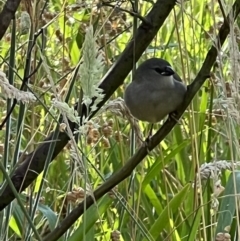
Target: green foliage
pixel 168 196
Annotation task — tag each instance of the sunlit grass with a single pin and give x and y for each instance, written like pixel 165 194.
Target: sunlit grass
pixel 167 197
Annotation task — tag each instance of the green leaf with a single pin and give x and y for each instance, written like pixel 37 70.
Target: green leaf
pixel 49 214
pixel 158 165
pixel 91 217
pixel 229 202
pixel 164 219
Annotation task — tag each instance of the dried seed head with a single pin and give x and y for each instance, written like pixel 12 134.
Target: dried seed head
pixel 107 131
pixel 77 194
pixel 105 124
pixel 228 89
pixel 62 127
pixel 111 192
pixel 118 136
pixel 89 124
pixel 89 139
pixel 108 26
pixel 218 188
pixel 115 235
pixel 223 237
pixel 48 15
pixel 95 133
pixel 59 35
pixel 41 83
pixel 110 122
pixel 105 143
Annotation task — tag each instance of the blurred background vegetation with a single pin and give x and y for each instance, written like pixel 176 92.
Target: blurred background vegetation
pixel 185 189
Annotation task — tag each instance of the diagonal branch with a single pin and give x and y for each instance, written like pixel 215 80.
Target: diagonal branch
pixel 127 169
pixel 28 171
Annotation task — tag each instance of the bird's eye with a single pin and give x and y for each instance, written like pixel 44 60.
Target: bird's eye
pixel 158 70
pixel 165 71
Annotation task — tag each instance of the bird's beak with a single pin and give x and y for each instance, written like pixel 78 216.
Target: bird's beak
pixel 168 71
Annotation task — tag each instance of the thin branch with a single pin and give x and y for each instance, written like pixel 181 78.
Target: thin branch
pixel 132 13
pixel 116 36
pixel 222 10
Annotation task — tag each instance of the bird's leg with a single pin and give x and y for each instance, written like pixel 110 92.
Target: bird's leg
pixel 172 116
pixel 149 134
pixel 148 139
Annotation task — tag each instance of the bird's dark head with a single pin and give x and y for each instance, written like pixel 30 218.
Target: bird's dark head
pixel 164 70
pixel 160 66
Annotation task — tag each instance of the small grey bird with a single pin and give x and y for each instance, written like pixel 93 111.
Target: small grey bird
pixel 155 92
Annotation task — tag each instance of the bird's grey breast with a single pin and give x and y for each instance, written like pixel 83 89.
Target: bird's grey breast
pixel 151 102
pixel 144 101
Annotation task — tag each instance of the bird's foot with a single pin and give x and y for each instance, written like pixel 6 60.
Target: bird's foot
pixel 173 116
pixel 148 139
pixel 146 143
